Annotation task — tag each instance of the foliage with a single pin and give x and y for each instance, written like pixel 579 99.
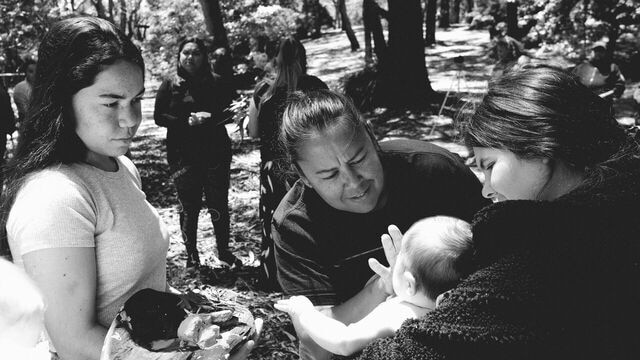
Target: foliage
pixel 588 19
pixel 168 26
pixel 267 22
pixel 22 24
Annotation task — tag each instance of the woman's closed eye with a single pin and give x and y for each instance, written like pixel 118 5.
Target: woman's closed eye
pixel 330 176
pixel 111 105
pixel 358 161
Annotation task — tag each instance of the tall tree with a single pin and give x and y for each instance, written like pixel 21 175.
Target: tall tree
pixel 430 15
pixel 404 75
pixel 444 14
pixel 512 18
pixel 455 12
pixel 213 20
pixel 371 13
pixel 346 26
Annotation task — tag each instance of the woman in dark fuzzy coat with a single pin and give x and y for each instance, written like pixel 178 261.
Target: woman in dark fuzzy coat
pixel 559 261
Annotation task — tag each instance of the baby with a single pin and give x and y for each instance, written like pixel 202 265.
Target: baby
pixel 429 263
pixel 21 315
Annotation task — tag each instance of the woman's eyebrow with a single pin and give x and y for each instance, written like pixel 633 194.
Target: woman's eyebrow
pixel 119 96
pixel 357 153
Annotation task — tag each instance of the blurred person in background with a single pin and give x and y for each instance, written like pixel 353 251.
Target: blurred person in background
pixel 22 91
pixel 600 74
pixel 265 118
pixel 192 105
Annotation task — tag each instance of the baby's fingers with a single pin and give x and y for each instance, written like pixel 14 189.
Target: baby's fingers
pixel 283 305
pixel 378 268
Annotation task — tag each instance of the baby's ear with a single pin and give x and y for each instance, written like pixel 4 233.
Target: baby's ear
pixel 441 297
pixel 411 284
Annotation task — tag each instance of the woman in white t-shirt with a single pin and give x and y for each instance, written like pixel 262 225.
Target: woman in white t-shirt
pixel 74 213
pixel 75 216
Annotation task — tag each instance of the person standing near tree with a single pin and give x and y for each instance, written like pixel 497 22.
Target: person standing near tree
pixel 22 90
pixel 192 106
pixel 265 118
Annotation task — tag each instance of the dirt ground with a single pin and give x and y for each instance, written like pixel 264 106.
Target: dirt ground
pixel 330 59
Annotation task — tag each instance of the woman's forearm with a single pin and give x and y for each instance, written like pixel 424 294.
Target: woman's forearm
pixel 84 345
pixel 252 126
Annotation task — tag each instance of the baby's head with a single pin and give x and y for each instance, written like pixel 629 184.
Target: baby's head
pixel 435 254
pixel 21 308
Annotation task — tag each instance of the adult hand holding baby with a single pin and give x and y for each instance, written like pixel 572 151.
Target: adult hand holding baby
pixel 391 244
pixel 199 118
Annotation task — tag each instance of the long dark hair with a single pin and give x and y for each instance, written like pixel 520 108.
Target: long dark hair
pixel 540 111
pixel 70 56
pixel 205 69
pixel 291 64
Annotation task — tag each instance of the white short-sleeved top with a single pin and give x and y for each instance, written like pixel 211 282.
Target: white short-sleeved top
pixel 79 205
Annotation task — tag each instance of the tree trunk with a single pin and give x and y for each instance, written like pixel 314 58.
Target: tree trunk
pixel 455 12
pixel 100 10
pixel 470 5
pixel 444 14
pixel 430 22
pixel 404 80
pixel 111 6
pixel 366 21
pixel 123 17
pixel 371 14
pixel 213 20
pixel 613 35
pixel 512 19
pixel 346 25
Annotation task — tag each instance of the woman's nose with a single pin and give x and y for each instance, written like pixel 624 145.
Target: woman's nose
pixel 130 117
pixel 351 177
pixel 487 190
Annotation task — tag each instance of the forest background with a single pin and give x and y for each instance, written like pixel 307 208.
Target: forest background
pixel 433 60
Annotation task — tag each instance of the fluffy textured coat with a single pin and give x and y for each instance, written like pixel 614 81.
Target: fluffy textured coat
pixel 558 279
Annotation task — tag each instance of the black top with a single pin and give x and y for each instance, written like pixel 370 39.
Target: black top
pixel 7 117
pixel 322 252
pixel 270 114
pixel 203 144
pixel 557 280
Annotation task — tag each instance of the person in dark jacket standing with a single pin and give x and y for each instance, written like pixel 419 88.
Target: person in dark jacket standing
pixel 192 106
pixel 558 253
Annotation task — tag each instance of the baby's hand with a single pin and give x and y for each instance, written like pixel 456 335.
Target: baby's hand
pixel 295 306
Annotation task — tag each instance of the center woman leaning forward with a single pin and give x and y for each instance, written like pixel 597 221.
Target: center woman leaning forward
pixel 350 189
